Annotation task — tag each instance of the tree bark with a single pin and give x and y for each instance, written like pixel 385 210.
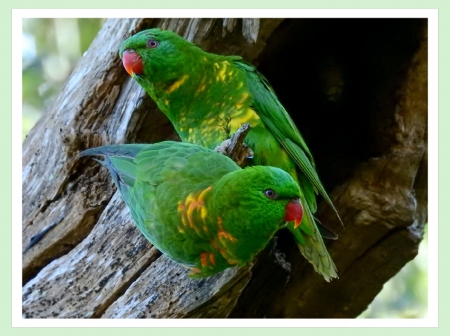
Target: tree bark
pixel 84 258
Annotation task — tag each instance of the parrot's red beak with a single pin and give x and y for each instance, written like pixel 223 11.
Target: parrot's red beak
pixel 132 62
pixel 294 212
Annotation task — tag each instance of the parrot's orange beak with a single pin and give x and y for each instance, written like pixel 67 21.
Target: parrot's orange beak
pixel 294 212
pixel 132 62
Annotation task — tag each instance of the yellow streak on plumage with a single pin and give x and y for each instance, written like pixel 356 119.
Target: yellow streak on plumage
pixel 201 88
pixel 240 85
pixel 189 213
pixel 243 98
pixel 227 256
pixel 191 203
pixel 226 235
pixel 190 219
pixel 221 75
pixel 177 84
pixel 201 197
pixel 222 234
pixel 204 213
pixel 183 220
pixel 248 115
pixel 240 103
pixel 189 199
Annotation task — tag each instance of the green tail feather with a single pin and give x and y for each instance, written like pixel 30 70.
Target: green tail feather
pixel 130 150
pixel 311 245
pixel 120 161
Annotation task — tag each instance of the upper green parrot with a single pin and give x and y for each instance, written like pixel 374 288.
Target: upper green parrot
pixel 207 97
pixel 197 206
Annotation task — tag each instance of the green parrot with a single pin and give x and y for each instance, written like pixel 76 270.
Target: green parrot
pixel 207 97
pixel 197 206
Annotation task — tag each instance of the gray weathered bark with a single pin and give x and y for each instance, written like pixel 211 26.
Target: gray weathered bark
pixel 93 262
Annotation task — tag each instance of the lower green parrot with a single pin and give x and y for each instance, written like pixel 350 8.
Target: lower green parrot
pixel 207 97
pixel 197 206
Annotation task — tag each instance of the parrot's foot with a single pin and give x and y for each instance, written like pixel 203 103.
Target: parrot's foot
pixel 222 148
pixel 208 261
pixel 195 272
pixel 235 148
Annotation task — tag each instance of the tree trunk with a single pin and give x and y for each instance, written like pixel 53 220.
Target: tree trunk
pixel 365 122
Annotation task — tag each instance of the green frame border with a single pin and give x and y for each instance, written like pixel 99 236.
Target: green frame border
pixel 6 134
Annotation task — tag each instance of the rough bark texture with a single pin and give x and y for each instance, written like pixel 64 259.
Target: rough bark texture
pixel 367 128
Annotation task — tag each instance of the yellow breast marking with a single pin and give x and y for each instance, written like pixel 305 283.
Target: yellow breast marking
pixel 177 84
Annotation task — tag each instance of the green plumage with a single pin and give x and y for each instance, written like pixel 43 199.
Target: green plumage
pixel 196 205
pixel 207 97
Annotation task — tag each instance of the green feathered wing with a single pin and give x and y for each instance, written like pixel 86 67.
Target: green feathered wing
pixel 280 124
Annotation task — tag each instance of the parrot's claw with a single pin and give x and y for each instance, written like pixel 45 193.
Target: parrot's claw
pixel 235 148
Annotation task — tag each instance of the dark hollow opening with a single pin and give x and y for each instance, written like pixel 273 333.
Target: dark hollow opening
pixel 338 79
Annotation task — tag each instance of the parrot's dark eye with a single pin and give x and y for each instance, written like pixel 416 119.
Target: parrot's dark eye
pixel 152 43
pixel 270 193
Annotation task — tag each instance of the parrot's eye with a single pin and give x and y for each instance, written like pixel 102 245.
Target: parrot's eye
pixel 270 193
pixel 152 43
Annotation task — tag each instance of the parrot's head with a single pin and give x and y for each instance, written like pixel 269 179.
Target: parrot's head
pixel 267 194
pixel 153 52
